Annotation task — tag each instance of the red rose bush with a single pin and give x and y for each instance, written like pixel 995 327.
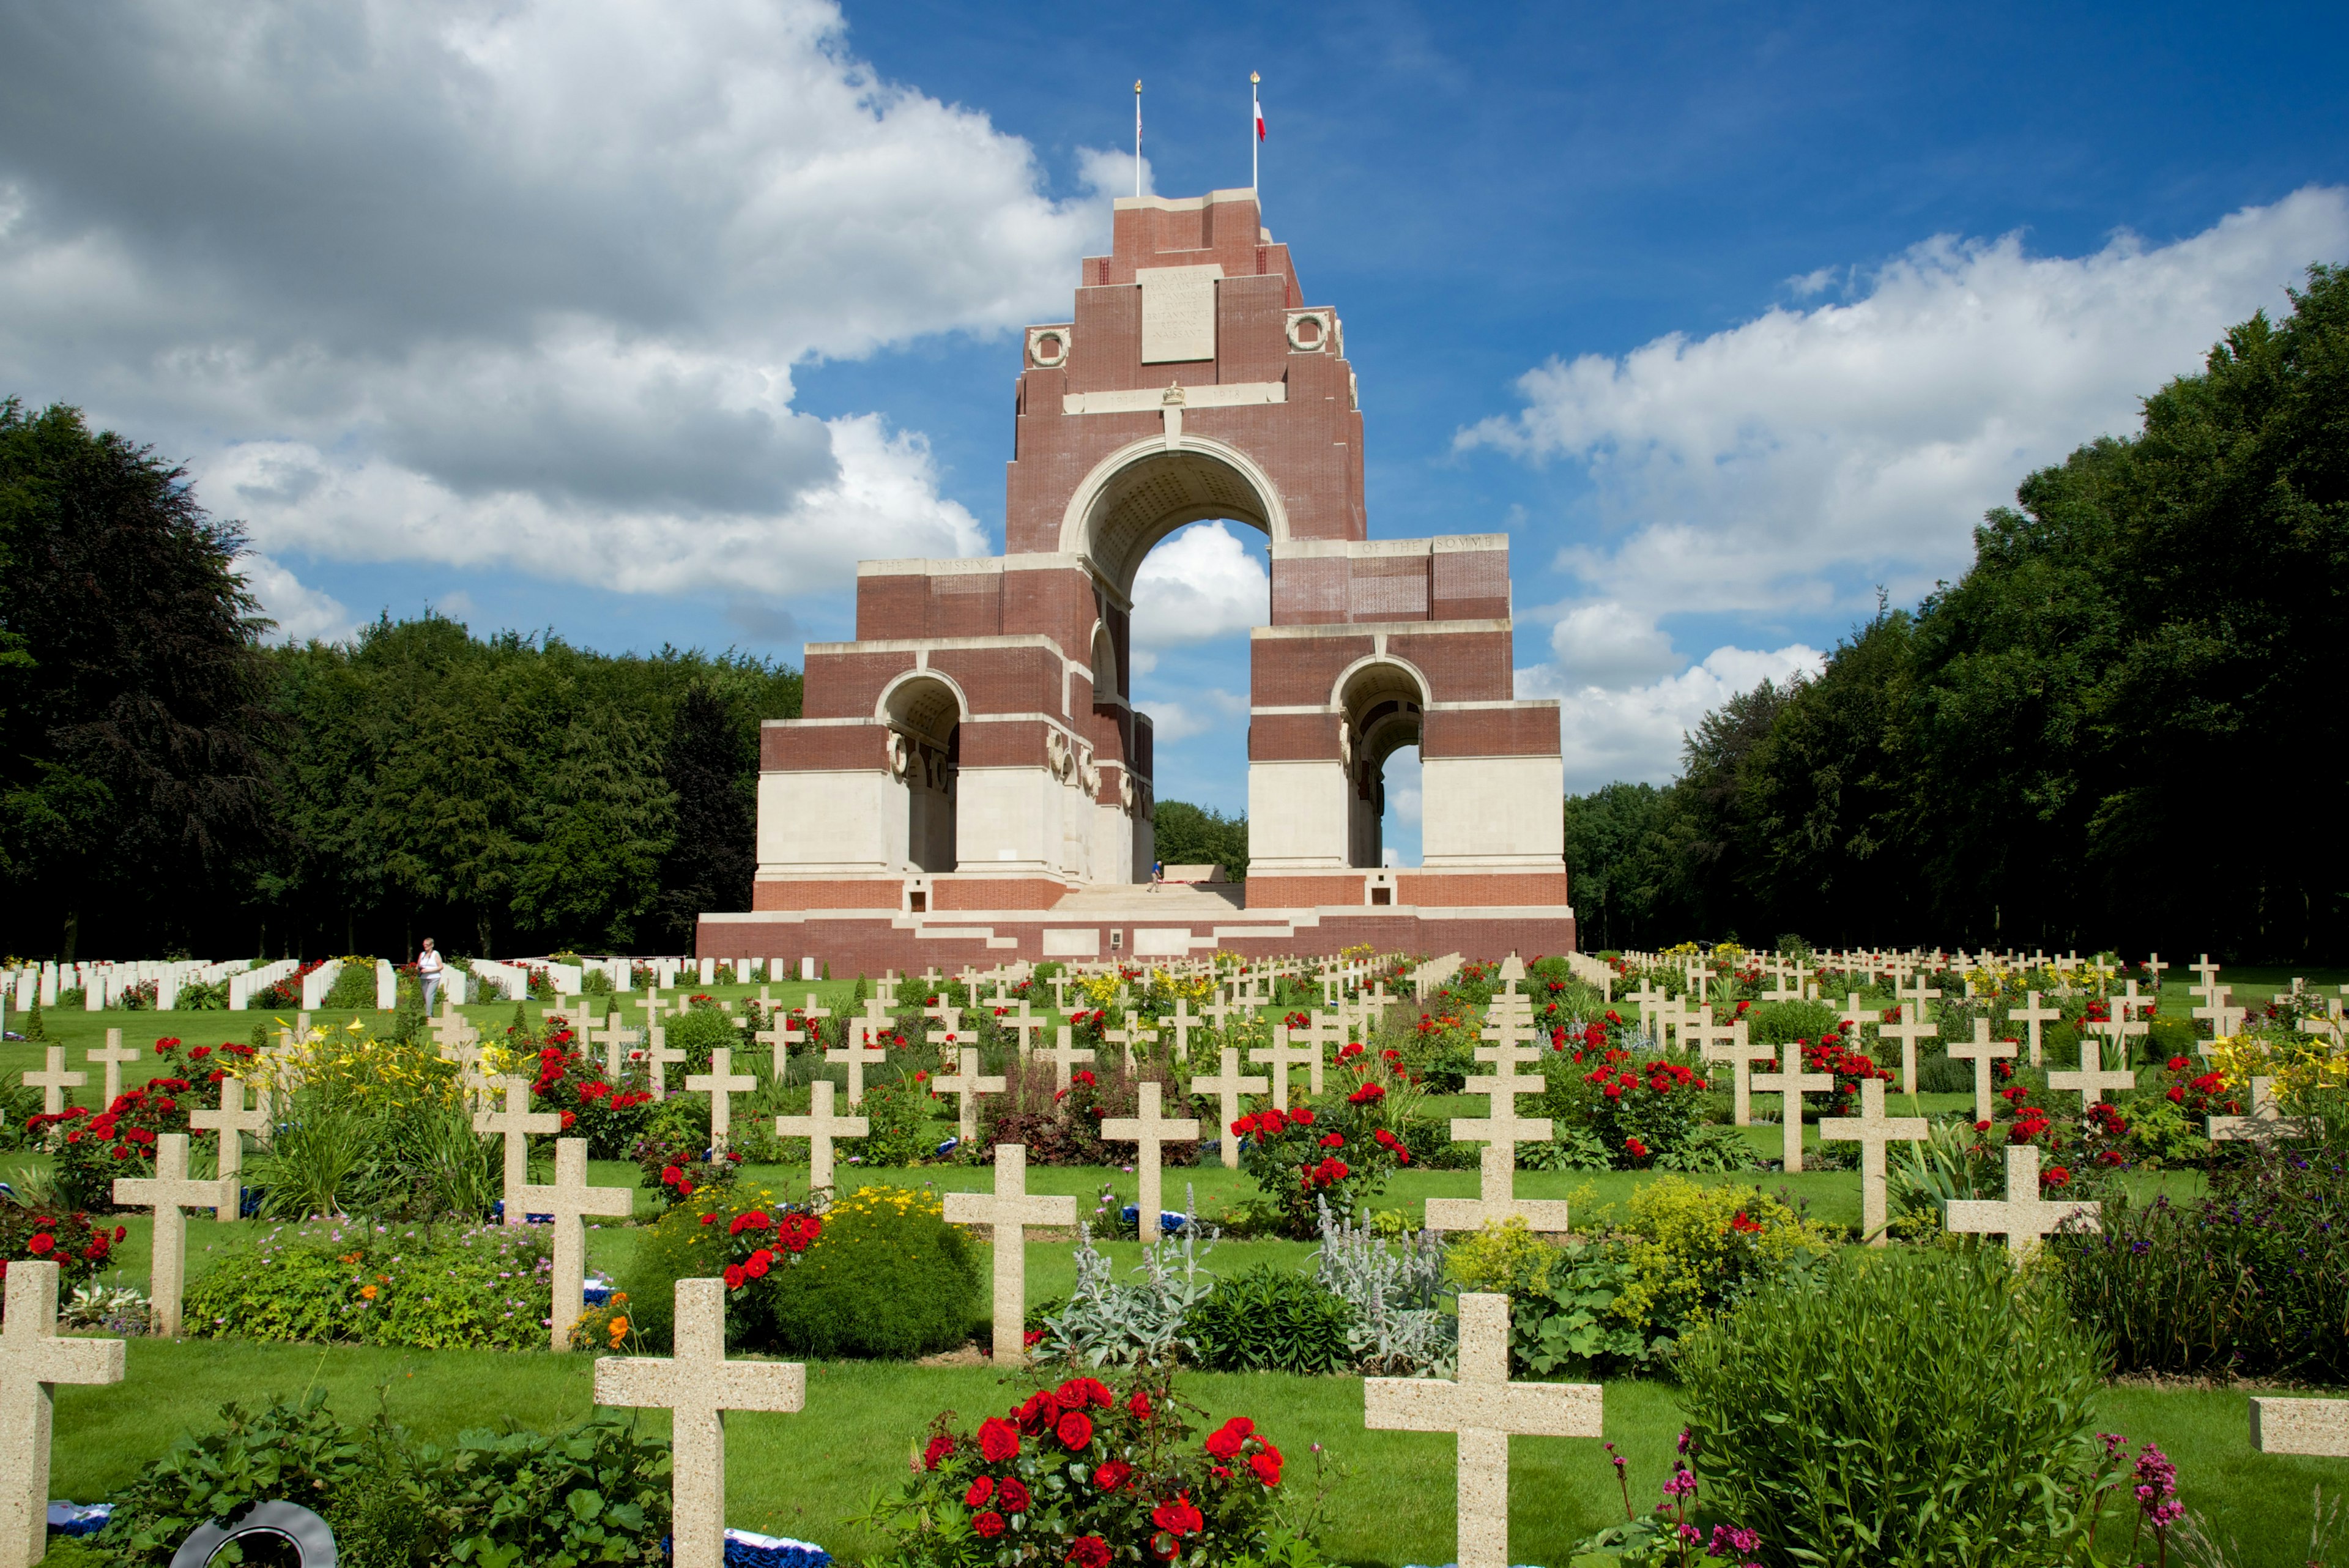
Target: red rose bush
pixel 1085 1474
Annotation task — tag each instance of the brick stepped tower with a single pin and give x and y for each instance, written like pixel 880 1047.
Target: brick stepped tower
pixel 971 782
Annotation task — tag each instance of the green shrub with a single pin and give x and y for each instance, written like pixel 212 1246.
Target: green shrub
pixel 1271 1319
pixel 1775 1022
pixel 353 987
pixel 593 1493
pixel 1899 1408
pixel 2251 1281
pixel 697 1032
pixel 888 1277
pixel 405 1285
pixel 898 1117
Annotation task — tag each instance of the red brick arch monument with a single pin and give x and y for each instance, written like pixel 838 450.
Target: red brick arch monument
pixel 971 782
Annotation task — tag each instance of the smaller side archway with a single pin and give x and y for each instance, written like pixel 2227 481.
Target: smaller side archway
pixel 924 711
pixel 1383 705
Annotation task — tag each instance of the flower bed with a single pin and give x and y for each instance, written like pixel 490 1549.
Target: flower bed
pixel 1084 1475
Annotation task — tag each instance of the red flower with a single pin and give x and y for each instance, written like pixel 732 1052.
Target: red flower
pixel 998 1439
pixel 1139 1405
pixel 1113 1475
pixel 1177 1518
pixel 1366 1095
pixel 42 1244
pixel 1040 1415
pixel 1089 1551
pixel 1266 1465
pixel 1013 1496
pixel 1638 1149
pixel 1302 1116
pixel 1075 1430
pixel 1743 1225
pixel 1079 1392
pixel 2055 1175
pixel 568 1117
pixel 941 1446
pixel 987 1525
pixel 980 1491
pixel 734 1276
pixel 1333 1140
pixel 1226 1441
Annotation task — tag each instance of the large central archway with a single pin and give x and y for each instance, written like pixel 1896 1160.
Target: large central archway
pixel 1140 493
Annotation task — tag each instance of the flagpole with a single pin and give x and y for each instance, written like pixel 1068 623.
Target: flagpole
pixel 1255 118
pixel 1137 139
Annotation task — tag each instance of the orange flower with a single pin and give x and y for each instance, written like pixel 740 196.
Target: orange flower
pixel 368 1291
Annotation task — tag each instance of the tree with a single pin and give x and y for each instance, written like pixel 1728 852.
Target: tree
pixel 712 857
pixel 134 779
pixel 1188 835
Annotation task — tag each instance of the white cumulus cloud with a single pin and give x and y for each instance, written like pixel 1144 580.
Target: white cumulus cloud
pixel 302 612
pixel 1794 461
pixel 1200 583
pixel 511 282
pixel 1634 732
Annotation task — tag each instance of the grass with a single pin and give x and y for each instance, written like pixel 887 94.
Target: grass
pixel 1390 1493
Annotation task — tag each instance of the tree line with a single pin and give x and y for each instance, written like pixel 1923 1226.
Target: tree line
pixel 172 782
pixel 2122 726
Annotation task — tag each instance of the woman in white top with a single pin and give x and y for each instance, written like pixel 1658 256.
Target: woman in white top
pixel 428 970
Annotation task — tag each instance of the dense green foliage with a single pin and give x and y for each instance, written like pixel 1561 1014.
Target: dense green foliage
pixel 167 780
pixel 430 1288
pixel 2251 1281
pixel 596 1493
pixel 2039 754
pixel 1903 1409
pixel 135 768
pixel 888 1277
pixel 1271 1319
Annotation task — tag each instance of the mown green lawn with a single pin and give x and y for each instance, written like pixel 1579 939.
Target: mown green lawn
pixel 1390 1493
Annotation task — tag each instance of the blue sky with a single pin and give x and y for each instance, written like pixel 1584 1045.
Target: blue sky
pixel 643 323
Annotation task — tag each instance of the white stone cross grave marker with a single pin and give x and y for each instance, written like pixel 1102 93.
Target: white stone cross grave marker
pixel 1789 1083
pixel 967 1086
pixel 820 1126
pixel 658 1058
pixel 514 1125
pixel 2092 1080
pixel 1909 1030
pixel 169 1192
pixel 2023 1216
pixel 1181 1024
pixel 1026 1024
pixel 1484 1409
pixel 1147 1130
pixel 856 1056
pixel 1872 1130
pixel 32 1362
pixel 2318 1426
pixel 1981 1053
pixel 613 1036
pixel 54 1082
pixel 570 1200
pixel 1127 1039
pixel 113 1055
pixel 1227 1087
pixel 1277 1058
pixel 2267 1120
pixel 779 1037
pixel 1729 1043
pixel 2031 1017
pixel 698 1386
pixel 721 1083
pixel 1009 1210
pixel 1500 1131
pixel 232 1121
pixel 1067 1056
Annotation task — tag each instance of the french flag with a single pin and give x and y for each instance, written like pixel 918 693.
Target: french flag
pixel 1259 100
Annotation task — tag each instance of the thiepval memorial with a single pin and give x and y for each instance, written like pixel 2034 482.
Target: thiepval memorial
pixel 971 782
